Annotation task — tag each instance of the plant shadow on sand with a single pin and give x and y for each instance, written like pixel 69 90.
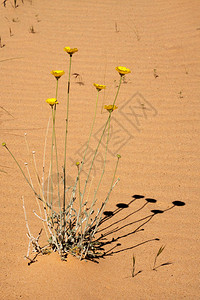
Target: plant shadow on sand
pixel 106 233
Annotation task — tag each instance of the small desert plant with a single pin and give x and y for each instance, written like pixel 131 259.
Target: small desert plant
pixel 10 30
pixel 69 229
pixel 155 73
pixel 31 29
pixel 133 269
pixel 116 27
pixel 15 3
pixel 15 20
pixel 158 253
pixel 1 45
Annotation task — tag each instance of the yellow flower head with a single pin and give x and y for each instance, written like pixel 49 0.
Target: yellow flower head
pixel 99 87
pixel 118 156
pixel 77 163
pixel 123 70
pixel 110 108
pixel 4 144
pixel 70 51
pixel 57 73
pixel 52 101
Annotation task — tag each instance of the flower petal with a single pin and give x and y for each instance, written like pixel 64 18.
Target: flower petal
pixel 70 50
pixel 99 86
pixel 123 70
pixel 52 101
pixel 110 108
pixel 58 73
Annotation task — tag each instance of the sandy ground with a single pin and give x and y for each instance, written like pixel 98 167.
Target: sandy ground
pixel 155 129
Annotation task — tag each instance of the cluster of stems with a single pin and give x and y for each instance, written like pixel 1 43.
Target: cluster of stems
pixel 71 230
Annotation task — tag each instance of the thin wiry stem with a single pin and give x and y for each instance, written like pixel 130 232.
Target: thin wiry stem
pixel 56 149
pixel 104 165
pixel 36 170
pixel 98 147
pixel 25 217
pixel 43 167
pixel 27 145
pixel 52 148
pixel 90 188
pixel 103 170
pixel 66 132
pixel 48 186
pixel 107 198
pixel 91 130
pixel 95 153
pixel 35 197
pixel 81 166
pixel 37 176
pixel 32 158
pixel 23 174
pixel 120 81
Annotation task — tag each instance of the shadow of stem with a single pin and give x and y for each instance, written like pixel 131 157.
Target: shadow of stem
pixel 102 240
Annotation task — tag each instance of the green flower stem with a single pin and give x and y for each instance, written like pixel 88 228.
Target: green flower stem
pixel 36 194
pixel 120 81
pixel 95 113
pixel 36 197
pixel 106 150
pixel 86 181
pixel 57 88
pixel 108 121
pixel 57 151
pixel 107 198
pixel 43 167
pixel 74 188
pixel 33 162
pixel 113 177
pixel 79 193
pixel 66 131
pixel 36 170
pixel 52 144
pixel 94 198
pixel 79 184
pixel 97 149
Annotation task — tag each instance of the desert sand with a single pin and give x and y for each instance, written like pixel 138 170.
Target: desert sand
pixel 155 130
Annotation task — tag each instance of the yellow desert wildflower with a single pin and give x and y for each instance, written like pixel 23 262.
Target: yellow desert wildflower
pixel 123 70
pixel 110 108
pixel 70 51
pixel 57 73
pixel 99 87
pixel 52 101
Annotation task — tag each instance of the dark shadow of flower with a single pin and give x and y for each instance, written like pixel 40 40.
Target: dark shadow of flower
pixel 108 213
pixel 137 196
pixel 157 211
pixel 122 205
pixel 178 203
pixel 151 200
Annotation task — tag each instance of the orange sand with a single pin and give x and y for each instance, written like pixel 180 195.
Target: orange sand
pixel 159 42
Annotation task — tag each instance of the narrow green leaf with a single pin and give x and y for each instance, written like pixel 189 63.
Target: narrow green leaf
pixel 160 250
